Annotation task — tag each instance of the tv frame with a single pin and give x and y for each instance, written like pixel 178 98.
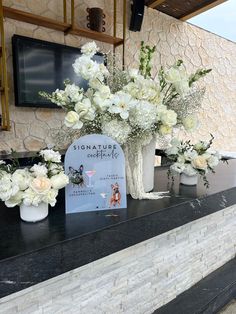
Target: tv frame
pixel 15 54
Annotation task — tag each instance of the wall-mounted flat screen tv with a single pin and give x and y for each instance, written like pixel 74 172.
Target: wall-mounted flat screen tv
pixel 42 66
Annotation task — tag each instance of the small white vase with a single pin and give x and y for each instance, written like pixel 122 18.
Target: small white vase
pixel 148 153
pixel 188 180
pixel 33 213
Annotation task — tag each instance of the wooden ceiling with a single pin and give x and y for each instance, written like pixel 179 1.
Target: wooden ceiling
pixel 183 9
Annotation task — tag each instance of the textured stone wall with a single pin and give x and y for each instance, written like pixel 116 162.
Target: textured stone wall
pixel 174 39
pixel 139 279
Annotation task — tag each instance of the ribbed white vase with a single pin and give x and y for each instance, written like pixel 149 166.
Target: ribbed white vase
pixel 33 213
pixel 188 180
pixel 148 153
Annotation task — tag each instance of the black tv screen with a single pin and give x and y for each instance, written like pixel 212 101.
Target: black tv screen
pixel 43 66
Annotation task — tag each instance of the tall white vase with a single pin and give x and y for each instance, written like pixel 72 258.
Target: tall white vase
pixel 148 153
pixel 188 180
pixel 33 213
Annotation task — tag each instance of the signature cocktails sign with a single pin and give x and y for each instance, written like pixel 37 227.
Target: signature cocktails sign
pixel 95 165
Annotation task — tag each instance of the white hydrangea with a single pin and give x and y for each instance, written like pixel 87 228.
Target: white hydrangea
pixel 118 130
pixel 189 170
pixel 89 49
pixel 143 115
pixel 213 161
pixel 50 155
pixel 190 155
pixel 177 167
pixel 39 170
pixel 30 197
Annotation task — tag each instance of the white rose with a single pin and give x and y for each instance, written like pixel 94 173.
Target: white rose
pixel 59 181
pixel 169 117
pixel 72 120
pixel 50 197
pixel 22 178
pixel 199 162
pixel 15 199
pixel 39 170
pixel 51 155
pixel 41 185
pixel 190 123
pixel 85 110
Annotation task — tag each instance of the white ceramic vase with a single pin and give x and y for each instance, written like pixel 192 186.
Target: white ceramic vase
pixel 148 153
pixel 188 180
pixel 33 213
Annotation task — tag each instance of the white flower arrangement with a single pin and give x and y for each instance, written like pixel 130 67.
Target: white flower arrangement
pixel 192 159
pixel 34 185
pixel 138 105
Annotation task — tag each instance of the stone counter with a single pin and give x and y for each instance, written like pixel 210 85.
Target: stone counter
pixel 130 260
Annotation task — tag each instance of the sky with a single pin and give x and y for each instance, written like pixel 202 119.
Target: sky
pixel 220 20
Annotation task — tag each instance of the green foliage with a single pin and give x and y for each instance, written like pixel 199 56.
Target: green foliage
pixel 146 54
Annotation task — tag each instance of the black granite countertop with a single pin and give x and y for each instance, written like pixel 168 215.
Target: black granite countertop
pixel 31 253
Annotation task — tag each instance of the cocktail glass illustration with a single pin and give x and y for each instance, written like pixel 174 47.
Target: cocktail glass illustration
pixel 104 196
pixel 90 173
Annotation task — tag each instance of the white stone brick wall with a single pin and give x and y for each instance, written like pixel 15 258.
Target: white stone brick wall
pixel 139 279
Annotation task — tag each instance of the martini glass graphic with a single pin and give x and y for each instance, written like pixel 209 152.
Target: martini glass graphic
pixel 104 196
pixel 90 173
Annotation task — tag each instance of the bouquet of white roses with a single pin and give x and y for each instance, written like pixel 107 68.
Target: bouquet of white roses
pixel 34 185
pixel 193 159
pixel 134 108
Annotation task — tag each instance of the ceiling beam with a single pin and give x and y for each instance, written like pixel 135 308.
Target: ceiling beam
pixel 201 10
pixel 155 3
